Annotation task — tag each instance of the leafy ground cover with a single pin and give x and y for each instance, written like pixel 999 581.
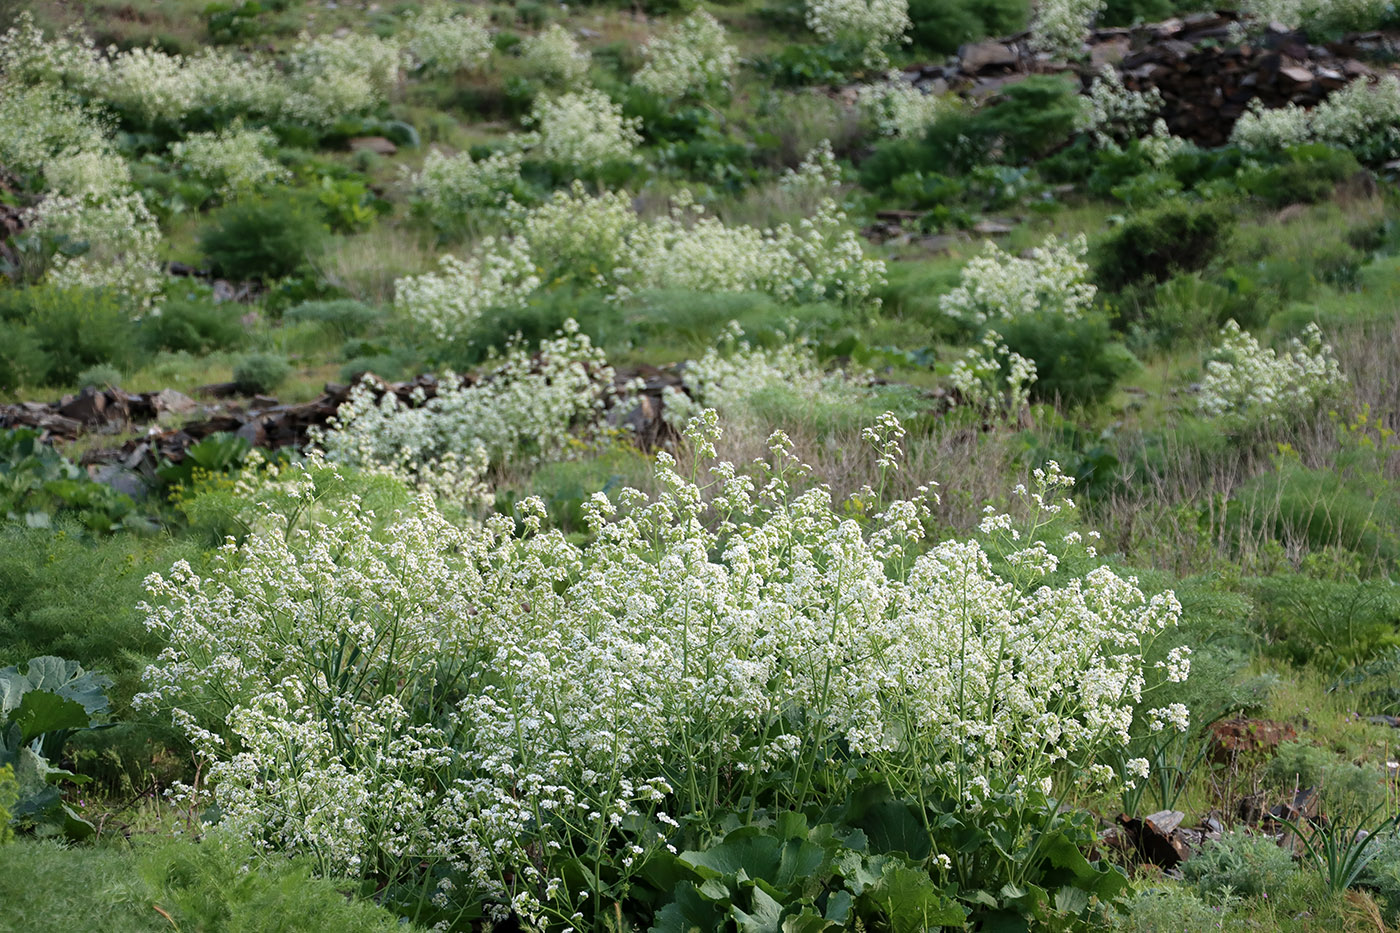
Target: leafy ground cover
pixel 841 503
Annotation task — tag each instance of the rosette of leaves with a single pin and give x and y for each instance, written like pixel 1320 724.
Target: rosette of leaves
pixel 41 708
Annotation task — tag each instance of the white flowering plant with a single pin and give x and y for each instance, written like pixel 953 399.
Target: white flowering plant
pixel 1362 118
pixel 1116 115
pixel 993 380
pixel 868 26
pixel 692 59
pixel 554 57
pixel 1247 385
pixel 441 40
pixel 527 408
pixel 584 129
pixel 452 191
pixel 1058 27
pixel 106 242
pixel 897 108
pixel 1053 278
pixel 546 724
pixel 234 161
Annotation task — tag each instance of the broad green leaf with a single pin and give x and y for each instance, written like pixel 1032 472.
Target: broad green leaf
pixel 40 711
pixel 688 913
pixel 743 850
pixel 764 915
pixel 913 903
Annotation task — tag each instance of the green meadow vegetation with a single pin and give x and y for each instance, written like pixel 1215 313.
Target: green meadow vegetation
pixel 838 502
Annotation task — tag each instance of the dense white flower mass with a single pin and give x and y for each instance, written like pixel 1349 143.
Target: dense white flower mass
pixel 448 188
pixel 1115 114
pixel 694 57
pixel 867 25
pixel 1249 384
pixel 603 242
pixel 121 239
pixel 41 123
pixel 1362 117
pixel 554 56
pixel 232 161
pixel 441 40
pixel 1054 278
pixel 528 408
pixel 583 128
pixel 898 108
pixel 384 694
pixel 1058 26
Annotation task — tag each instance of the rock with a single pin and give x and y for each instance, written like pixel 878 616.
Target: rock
pixel 1297 74
pixel 1231 738
pixel 991 226
pixel 88 406
pixel 982 56
pixel 376 144
pixel 1110 52
pixel 175 402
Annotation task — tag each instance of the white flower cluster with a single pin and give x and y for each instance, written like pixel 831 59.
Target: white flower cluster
pixel 528 408
pixel 449 188
pixel 233 161
pixel 1248 384
pixel 692 58
pixel 992 379
pixel 1058 26
pixel 122 243
pixel 583 128
pixel 332 76
pixel 555 57
pixel 1115 114
pixel 496 703
pixel 603 242
pixel 1348 15
pixel 728 377
pixel 868 25
pixel 449 302
pixel 817 174
pixel 898 108
pixel 1361 116
pixel 41 123
pixel 1054 278
pixel 442 41
pixel 88 173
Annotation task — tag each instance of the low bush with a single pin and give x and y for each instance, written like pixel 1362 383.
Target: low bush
pixel 344 317
pixel 1154 245
pixel 1239 863
pixel 59 332
pixel 261 239
pixel 1304 175
pixel 192 326
pixel 940 26
pixel 260 373
pixel 1077 360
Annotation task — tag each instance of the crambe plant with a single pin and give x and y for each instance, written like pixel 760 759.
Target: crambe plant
pixel 582 128
pixel 1115 114
pixel 1054 279
pixel 233 161
pixel 554 57
pixel 122 240
pixel 40 123
pixel 332 76
pixel 451 189
pixel 1058 26
pixel 442 41
pixel 526 409
pixel 866 25
pixel 728 377
pixel 448 302
pixel 535 719
pixel 693 58
pixel 817 174
pixel 898 108
pixel 993 380
pixel 1248 384
pixel 602 242
pixel 1363 118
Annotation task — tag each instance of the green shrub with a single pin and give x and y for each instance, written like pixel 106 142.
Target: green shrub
pixel 22 360
pixel 1169 909
pixel 1336 624
pixel 345 317
pixel 65 331
pixel 261 239
pixel 1077 360
pixel 191 326
pixel 940 26
pixel 1028 120
pixel 1153 245
pixel 48 888
pixel 1239 863
pixel 100 376
pixel 260 373
pixel 1345 789
pixel 1305 175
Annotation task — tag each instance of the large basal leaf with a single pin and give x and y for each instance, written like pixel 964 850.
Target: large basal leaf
pixel 688 913
pixel 40 711
pixel 744 850
pixel 913 903
pixel 65 678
